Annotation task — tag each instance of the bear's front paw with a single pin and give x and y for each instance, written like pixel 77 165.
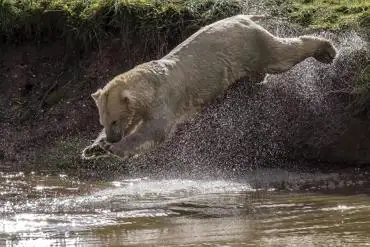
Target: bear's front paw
pixel 108 147
pixel 93 151
pixel 116 151
pixel 111 149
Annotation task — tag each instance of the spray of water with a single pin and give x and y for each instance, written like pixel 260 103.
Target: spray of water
pixel 290 116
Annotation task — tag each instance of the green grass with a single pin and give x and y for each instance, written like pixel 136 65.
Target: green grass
pixel 86 23
pixel 333 14
pixel 83 24
pixel 324 14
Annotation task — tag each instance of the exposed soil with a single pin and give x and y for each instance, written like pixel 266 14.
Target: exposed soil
pixel 45 99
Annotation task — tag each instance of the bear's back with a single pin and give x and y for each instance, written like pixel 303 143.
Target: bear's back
pixel 219 36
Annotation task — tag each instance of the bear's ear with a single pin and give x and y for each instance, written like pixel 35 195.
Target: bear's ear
pixel 126 97
pixel 96 95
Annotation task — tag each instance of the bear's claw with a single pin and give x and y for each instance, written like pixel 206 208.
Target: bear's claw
pixel 93 152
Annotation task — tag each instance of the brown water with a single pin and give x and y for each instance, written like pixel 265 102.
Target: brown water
pixel 291 210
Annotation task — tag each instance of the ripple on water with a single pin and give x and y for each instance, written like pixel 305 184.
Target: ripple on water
pixel 141 211
pixel 131 198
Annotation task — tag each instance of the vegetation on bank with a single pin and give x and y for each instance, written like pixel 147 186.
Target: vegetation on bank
pixel 157 25
pixel 84 24
pixel 323 14
pixel 87 22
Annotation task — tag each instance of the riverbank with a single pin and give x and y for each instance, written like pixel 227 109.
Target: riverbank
pixel 53 55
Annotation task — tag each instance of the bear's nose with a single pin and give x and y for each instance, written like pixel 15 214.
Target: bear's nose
pixel 113 134
pixel 114 138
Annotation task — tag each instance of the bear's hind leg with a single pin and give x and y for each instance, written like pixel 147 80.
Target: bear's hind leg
pixel 287 52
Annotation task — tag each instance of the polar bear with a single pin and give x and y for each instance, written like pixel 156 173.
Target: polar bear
pixel 140 108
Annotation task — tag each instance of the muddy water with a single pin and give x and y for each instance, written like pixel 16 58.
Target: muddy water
pixel 267 208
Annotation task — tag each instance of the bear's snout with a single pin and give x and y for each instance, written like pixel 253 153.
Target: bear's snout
pixel 113 138
pixel 113 135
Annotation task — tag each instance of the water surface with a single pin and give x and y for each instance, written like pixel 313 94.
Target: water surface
pixel 268 208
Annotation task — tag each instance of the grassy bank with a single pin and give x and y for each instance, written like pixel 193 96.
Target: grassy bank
pixel 85 24
pixel 323 14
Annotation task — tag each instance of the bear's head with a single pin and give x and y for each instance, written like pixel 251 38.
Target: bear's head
pixel 123 105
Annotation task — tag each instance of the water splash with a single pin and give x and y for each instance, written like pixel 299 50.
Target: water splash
pixel 291 116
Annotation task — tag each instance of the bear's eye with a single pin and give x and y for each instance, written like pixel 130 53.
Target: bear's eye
pixel 114 122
